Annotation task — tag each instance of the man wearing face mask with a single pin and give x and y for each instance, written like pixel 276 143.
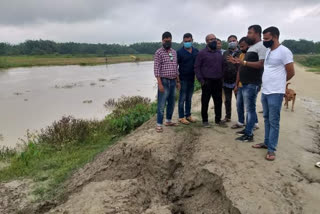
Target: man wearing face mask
pixel 250 74
pixel 230 74
pixel 209 71
pixel 167 74
pixel 219 46
pixel 278 69
pixel 243 44
pixel 186 58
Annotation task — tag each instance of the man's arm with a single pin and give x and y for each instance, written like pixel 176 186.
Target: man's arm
pixel 256 65
pixel 290 70
pixel 197 69
pixel 237 82
pixel 157 66
pixel 259 64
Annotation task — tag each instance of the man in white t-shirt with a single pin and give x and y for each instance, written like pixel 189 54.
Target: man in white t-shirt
pixel 278 69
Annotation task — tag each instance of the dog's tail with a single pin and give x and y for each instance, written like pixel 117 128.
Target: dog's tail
pixel 287 85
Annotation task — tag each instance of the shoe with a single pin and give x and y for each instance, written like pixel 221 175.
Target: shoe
pixel 256 127
pixel 222 124
pixel 226 120
pixel 206 125
pixel 191 120
pixel 237 126
pixel 242 132
pixel 184 121
pixel 245 138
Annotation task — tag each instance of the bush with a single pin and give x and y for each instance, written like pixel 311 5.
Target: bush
pixel 6 153
pixel 308 60
pixel 65 131
pixel 129 113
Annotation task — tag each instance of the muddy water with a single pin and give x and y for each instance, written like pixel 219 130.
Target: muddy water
pixel 32 98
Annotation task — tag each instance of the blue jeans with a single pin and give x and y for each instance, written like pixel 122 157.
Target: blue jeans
pixel 271 104
pixel 185 98
pixel 167 97
pixel 249 93
pixel 240 107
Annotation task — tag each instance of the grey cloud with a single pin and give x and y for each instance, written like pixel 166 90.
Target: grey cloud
pixel 130 21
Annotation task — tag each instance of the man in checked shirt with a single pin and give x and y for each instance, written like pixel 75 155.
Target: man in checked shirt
pixel 167 74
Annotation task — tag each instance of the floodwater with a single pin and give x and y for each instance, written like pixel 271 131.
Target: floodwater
pixel 32 98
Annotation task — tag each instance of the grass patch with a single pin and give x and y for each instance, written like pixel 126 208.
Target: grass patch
pixel 310 61
pixel 50 156
pixel 83 60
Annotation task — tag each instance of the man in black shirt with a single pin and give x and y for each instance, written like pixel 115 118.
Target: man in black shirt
pixel 251 78
pixel 230 74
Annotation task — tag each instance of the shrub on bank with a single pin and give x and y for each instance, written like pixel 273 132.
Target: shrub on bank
pixel 51 155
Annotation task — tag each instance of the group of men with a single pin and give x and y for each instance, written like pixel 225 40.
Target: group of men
pixel 246 67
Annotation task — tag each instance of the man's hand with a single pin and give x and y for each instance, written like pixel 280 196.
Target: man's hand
pixel 234 60
pixel 178 85
pixel 235 90
pixel 161 88
pixel 231 59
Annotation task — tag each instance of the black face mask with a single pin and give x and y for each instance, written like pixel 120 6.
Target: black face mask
pixel 212 45
pixel 167 45
pixel 268 44
pixel 250 41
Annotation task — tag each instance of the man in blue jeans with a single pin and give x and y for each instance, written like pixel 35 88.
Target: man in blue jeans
pixel 167 74
pixel 250 74
pixel 278 69
pixel 186 58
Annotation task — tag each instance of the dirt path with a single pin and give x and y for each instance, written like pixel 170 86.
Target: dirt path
pixel 190 169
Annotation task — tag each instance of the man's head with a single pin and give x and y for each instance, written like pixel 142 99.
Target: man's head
pixel 166 40
pixel 254 34
pixel 271 36
pixel 187 40
pixel 232 42
pixel 243 43
pixel 219 44
pixel 211 41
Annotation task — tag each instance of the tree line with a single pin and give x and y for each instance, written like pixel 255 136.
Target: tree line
pixel 43 47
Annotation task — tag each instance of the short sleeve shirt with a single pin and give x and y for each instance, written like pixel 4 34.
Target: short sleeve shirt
pixel 275 75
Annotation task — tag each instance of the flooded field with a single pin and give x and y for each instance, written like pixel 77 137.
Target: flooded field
pixel 32 98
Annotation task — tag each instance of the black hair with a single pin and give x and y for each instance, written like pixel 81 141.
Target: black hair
pixel 274 31
pixel 256 28
pixel 244 39
pixel 232 36
pixel 166 35
pixel 187 35
pixel 219 40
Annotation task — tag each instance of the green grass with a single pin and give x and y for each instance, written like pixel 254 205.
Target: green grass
pixel 310 61
pixel 52 155
pixel 44 60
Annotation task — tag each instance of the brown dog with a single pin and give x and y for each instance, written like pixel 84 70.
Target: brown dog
pixel 289 96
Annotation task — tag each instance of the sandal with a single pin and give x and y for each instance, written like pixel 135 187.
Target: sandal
pixel 237 126
pixel 170 124
pixel 184 121
pixel 260 146
pixel 191 119
pixel 159 129
pixel 271 156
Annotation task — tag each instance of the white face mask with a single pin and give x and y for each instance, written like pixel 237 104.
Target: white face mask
pixel 232 45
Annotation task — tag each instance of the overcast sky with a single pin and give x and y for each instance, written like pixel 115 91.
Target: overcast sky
pixel 129 21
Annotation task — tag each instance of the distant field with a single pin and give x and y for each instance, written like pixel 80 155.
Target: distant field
pixel 42 60
pixel 310 61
